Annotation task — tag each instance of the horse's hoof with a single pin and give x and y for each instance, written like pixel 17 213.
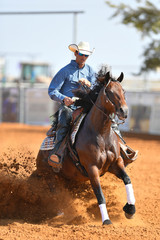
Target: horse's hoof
pixel 107 222
pixel 129 216
pixel 129 210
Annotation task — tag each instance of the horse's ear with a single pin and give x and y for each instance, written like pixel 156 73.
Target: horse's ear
pixel 107 77
pixel 120 77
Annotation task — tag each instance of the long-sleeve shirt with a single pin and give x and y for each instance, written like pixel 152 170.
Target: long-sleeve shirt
pixel 66 80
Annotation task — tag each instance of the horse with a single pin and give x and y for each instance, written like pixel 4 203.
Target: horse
pixel 97 144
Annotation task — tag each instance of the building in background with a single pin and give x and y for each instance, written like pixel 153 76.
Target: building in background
pixel 35 72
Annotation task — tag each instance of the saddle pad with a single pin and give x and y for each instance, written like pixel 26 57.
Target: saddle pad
pixel 76 127
pixel 48 143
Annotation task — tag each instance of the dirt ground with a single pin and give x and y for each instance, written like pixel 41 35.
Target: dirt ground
pixel 30 208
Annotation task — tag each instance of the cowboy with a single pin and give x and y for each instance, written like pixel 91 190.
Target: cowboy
pixel 61 87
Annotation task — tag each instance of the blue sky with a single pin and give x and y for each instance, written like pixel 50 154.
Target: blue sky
pixel 46 37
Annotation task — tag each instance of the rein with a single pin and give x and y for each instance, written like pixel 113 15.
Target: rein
pixel 111 118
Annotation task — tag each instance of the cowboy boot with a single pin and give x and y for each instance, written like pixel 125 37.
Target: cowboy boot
pixel 128 154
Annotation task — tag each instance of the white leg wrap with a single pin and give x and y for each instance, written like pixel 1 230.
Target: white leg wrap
pixel 104 212
pixel 130 194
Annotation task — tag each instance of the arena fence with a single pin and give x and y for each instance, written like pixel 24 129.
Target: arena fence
pixel 30 104
pixel 144 112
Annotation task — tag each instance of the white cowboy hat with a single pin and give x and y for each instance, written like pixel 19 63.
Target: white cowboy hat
pixel 82 47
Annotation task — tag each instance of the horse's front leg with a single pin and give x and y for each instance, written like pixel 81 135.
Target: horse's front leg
pixel 129 208
pixel 95 182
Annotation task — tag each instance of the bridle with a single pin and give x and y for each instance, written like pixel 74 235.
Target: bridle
pixel 111 116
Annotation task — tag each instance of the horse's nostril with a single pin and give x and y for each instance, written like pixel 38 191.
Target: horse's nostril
pixel 124 112
pixel 121 110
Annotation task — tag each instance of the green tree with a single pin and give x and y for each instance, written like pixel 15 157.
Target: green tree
pixel 145 17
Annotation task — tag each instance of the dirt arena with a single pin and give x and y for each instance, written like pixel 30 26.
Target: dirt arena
pixel 29 209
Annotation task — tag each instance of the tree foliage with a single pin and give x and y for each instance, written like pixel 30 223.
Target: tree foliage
pixel 145 17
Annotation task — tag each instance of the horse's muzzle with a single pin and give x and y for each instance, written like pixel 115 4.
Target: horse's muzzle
pixel 123 112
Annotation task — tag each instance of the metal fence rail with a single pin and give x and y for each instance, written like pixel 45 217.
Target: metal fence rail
pixel 26 103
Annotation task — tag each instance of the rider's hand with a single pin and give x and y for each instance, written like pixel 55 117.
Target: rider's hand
pixel 84 81
pixel 68 101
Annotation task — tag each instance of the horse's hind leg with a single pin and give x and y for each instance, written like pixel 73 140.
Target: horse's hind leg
pixel 95 182
pixel 129 208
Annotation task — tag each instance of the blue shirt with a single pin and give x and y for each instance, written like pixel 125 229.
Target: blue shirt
pixel 66 80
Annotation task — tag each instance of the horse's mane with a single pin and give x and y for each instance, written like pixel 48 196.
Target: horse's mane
pixel 88 96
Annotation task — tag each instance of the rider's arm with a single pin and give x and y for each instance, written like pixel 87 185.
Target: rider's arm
pixel 90 79
pixel 55 87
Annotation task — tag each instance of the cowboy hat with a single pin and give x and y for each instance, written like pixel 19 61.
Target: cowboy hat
pixel 82 47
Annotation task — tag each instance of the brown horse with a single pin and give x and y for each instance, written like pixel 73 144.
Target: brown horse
pixel 97 145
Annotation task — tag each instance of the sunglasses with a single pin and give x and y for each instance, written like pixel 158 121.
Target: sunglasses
pixel 80 54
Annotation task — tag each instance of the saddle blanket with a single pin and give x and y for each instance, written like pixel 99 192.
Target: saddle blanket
pixel 76 127
pixel 49 142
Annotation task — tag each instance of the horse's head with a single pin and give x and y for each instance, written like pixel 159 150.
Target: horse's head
pixel 115 95
pixel 107 91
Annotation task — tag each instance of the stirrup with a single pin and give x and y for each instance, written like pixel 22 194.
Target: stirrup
pixel 55 162
pixel 128 154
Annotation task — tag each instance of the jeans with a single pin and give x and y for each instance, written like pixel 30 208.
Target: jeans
pixel 64 119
